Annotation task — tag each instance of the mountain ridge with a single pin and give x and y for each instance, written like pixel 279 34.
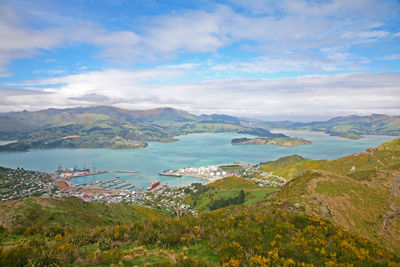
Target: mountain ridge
pixel 103 126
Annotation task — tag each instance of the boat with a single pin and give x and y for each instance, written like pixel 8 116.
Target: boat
pixel 169 174
pixel 152 186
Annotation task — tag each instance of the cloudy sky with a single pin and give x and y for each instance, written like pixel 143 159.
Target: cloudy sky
pixel 255 58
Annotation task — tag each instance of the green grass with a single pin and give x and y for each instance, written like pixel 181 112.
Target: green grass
pixel 244 235
pixel 233 182
pixel 226 188
pixel 75 212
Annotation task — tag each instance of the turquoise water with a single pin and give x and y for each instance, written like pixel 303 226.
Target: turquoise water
pixel 192 150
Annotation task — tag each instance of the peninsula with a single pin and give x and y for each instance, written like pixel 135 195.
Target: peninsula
pixel 279 141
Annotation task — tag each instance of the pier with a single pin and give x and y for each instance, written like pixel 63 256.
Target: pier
pixel 106 182
pixel 122 186
pixel 169 174
pixel 112 184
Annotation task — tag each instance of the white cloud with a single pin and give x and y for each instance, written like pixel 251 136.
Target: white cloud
pixel 316 95
pixel 391 57
pixel 295 26
pixel 331 61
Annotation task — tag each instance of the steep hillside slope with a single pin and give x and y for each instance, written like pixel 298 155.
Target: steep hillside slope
pixel 356 192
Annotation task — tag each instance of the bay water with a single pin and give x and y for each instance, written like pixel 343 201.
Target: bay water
pixel 191 151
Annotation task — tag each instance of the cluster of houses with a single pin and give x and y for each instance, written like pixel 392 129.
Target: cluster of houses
pixel 268 183
pixel 170 198
pixel 267 179
pixel 123 196
pixel 164 197
pixel 19 183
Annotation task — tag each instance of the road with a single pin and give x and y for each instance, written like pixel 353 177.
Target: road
pixel 394 189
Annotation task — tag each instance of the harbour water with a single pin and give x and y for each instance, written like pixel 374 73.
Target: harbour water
pixel 191 150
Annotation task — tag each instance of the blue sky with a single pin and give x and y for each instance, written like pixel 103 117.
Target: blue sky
pixel 261 58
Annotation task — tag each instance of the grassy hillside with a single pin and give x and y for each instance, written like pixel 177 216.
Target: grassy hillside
pixel 354 191
pixel 233 182
pixel 255 235
pixel 225 192
pixel 66 212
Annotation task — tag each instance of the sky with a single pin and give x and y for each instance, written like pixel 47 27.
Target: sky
pixel 266 59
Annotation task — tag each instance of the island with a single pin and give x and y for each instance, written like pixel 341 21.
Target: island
pixel 351 136
pixel 279 141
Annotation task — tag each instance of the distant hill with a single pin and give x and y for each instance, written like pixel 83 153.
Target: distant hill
pixel 105 126
pixel 349 126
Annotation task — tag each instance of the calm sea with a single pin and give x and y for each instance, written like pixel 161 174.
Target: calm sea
pixel 191 150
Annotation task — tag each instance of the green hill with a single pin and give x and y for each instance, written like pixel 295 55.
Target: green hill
pixel 352 127
pixel 354 191
pixel 224 192
pixel 105 126
pixel 112 127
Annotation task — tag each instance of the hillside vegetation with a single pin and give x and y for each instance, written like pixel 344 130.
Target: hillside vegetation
pixel 354 191
pixel 224 192
pixel 256 235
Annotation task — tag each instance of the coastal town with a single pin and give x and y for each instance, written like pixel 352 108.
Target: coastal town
pixel 209 173
pixel 19 183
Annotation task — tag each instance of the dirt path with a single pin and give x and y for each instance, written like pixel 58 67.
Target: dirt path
pixel 394 188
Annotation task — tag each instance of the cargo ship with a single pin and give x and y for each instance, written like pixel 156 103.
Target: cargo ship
pixel 152 186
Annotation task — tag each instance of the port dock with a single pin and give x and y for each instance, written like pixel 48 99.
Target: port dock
pixel 113 183
pixel 106 182
pixel 169 174
pixel 122 186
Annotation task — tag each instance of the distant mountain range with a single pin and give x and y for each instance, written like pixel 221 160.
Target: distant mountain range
pixel 348 127
pixel 106 126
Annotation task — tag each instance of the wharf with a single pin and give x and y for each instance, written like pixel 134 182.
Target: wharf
pixel 122 186
pixel 106 182
pixel 114 183
pixel 169 174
